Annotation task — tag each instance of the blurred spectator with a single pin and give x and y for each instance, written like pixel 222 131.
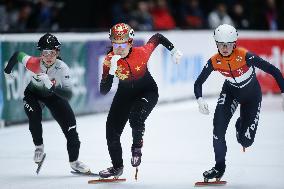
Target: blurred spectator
pixel 141 18
pixel 239 17
pixel 161 16
pixel 120 11
pixel 219 16
pixel 98 15
pixel 3 19
pixel 271 15
pixel 24 21
pixel 44 17
pixel 191 14
pixel 9 16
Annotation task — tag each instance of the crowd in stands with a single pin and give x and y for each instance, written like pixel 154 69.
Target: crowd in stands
pixel 143 15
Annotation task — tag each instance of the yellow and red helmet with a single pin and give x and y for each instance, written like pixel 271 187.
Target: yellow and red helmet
pixel 121 33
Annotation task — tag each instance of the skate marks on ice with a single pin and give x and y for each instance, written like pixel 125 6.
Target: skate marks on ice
pixel 40 164
pixel 88 174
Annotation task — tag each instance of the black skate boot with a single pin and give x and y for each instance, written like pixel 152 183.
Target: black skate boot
pixel 109 172
pixel 213 173
pixel 136 156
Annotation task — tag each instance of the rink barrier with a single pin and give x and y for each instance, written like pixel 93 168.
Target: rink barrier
pixel 84 53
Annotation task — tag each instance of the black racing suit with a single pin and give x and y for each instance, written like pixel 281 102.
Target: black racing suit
pixel 246 93
pixel 37 96
pixel 135 98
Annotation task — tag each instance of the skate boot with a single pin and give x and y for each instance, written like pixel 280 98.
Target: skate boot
pixel 136 156
pixel 80 167
pixel 39 154
pixel 213 173
pixel 109 172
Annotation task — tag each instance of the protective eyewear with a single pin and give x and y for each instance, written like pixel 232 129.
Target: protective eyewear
pixel 117 45
pixel 48 53
pixel 228 45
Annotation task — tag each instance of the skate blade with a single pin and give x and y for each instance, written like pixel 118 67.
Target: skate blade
pixel 211 183
pixel 136 174
pixel 88 174
pixel 40 164
pixel 102 180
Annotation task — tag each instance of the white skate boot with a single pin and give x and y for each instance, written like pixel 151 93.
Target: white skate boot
pixel 78 166
pixel 39 154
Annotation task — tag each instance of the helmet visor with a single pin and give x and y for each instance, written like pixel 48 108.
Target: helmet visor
pixel 225 45
pixel 47 53
pixel 117 45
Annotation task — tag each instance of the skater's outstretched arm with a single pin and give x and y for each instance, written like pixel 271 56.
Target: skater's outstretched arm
pixel 206 71
pixel 157 39
pixel 31 63
pixel 258 62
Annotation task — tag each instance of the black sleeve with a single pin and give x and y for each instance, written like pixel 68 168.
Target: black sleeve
pixel 254 60
pixel 106 84
pixel 160 39
pixel 206 71
pixel 11 63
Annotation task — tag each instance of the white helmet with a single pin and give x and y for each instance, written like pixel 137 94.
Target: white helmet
pixel 225 33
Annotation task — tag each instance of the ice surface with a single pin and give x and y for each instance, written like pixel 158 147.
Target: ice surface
pixel 177 149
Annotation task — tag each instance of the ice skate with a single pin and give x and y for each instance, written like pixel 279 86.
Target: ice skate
pixel 136 156
pixel 213 173
pixel 39 157
pixel 109 172
pixel 39 154
pixel 80 167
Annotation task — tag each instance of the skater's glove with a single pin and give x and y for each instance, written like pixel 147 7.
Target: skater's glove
pixel 203 106
pixel 282 101
pixel 9 76
pixel 113 66
pixel 45 79
pixel 176 54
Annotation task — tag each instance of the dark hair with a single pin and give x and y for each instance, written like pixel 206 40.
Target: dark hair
pixel 109 49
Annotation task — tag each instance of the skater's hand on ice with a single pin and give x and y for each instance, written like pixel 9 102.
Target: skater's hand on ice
pixel 203 106
pixel 176 54
pixel 282 101
pixel 45 79
pixel 113 66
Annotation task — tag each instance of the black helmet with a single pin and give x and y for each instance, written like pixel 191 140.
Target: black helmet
pixel 48 42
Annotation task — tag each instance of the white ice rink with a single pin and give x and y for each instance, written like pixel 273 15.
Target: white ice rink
pixel 177 149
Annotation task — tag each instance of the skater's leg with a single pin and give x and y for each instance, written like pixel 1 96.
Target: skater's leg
pixel 116 120
pixel 249 122
pixel 34 112
pixel 139 112
pixel 223 113
pixel 64 115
